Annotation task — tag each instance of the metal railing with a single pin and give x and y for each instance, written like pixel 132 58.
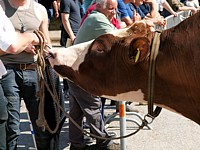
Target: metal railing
pixel 173 21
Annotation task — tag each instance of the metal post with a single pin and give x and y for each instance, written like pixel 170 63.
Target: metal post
pixel 122 115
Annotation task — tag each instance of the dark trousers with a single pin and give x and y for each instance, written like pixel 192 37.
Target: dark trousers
pixel 84 104
pixel 3 119
pixel 19 84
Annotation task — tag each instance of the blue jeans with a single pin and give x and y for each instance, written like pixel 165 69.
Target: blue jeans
pixel 3 119
pixel 50 14
pixel 19 84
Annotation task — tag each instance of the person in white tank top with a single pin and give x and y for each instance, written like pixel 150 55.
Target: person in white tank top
pixel 9 43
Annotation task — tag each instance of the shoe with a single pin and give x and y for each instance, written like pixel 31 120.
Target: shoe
pixel 76 148
pixel 112 103
pixel 87 147
pixel 113 146
pixel 129 108
pixel 86 125
pixel 88 140
pixel 92 147
pixel 66 94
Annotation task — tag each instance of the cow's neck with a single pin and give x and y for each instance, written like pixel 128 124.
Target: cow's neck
pixel 177 85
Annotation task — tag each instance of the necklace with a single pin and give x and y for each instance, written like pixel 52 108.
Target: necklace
pixel 20 6
pixel 22 29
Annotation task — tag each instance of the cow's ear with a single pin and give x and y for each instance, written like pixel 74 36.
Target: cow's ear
pixel 138 50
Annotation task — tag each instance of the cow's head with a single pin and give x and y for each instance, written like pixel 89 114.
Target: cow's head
pixel 104 65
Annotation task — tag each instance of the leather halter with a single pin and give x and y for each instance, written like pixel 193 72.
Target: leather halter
pixel 151 81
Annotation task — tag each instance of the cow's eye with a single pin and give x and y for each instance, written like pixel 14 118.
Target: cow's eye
pixel 97 47
pixel 99 50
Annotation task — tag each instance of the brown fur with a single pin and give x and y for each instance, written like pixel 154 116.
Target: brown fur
pixel 108 68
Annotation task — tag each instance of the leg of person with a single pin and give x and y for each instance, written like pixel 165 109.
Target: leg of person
pixel 63 37
pixel 65 88
pixel 3 119
pixel 50 14
pixel 90 106
pixel 75 135
pixel 12 94
pixel 112 103
pixel 103 101
pixel 94 118
pixel 53 115
pixel 44 140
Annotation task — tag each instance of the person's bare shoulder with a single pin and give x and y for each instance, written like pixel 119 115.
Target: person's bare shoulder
pixel 41 11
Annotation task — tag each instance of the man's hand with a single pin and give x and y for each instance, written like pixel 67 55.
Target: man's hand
pixel 31 49
pixel 35 38
pixel 56 14
pixel 150 24
pixel 136 16
pixel 161 21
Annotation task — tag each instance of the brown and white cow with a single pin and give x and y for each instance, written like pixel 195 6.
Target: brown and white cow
pixel 107 66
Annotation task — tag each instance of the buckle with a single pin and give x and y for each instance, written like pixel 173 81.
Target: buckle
pixel 22 66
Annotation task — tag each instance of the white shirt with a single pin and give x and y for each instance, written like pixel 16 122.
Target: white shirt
pixel 160 4
pixel 7 36
pixel 7 31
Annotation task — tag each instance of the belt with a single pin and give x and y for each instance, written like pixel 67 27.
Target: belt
pixel 31 66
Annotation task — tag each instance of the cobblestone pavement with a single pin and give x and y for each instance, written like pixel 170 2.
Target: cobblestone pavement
pixel 169 131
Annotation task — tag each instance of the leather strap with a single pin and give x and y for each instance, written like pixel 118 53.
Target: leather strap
pixel 22 66
pixel 151 82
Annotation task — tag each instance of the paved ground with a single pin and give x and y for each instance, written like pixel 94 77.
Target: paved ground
pixel 169 131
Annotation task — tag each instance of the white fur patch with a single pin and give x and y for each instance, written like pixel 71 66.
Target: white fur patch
pixel 132 96
pixel 72 56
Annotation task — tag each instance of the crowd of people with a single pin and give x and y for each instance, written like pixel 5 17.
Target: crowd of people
pixel 82 20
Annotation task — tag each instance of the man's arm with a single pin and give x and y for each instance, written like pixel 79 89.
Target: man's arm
pixel 22 41
pixel 58 4
pixel 124 14
pixel 18 41
pixel 153 12
pixel 168 8
pixel 154 15
pixel 127 20
pixel 186 8
pixel 55 6
pixel 160 20
pixel 67 26
pixel 44 22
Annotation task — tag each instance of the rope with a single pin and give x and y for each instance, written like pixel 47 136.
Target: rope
pixel 41 121
pixel 144 123
pixel 41 65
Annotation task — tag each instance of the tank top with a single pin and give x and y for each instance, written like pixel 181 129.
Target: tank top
pixel 19 18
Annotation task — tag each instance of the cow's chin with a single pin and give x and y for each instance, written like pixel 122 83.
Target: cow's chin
pixel 132 96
